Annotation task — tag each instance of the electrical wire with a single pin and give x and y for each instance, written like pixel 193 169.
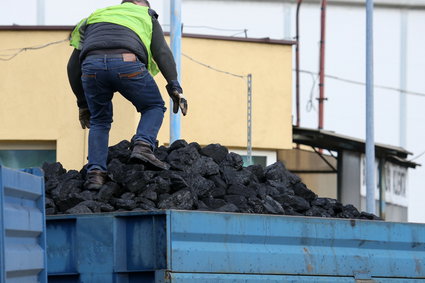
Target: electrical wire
pixel 362 83
pixel 212 68
pixel 20 50
pixel 244 32
pixel 310 103
pixel 417 156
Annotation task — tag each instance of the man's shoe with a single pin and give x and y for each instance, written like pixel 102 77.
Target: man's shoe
pixel 142 151
pixel 95 179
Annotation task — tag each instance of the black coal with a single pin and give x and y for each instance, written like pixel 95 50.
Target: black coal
pixel 208 179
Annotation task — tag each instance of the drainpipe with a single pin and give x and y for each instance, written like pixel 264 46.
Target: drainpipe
pixel 322 63
pixel 297 63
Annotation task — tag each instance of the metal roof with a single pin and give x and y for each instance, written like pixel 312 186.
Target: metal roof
pixel 337 142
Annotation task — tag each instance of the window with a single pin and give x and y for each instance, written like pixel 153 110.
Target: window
pixel 260 157
pixel 26 154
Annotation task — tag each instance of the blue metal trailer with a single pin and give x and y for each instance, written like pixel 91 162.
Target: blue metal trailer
pixel 22 222
pixel 191 246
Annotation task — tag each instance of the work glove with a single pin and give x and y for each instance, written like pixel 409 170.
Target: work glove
pixel 84 116
pixel 176 93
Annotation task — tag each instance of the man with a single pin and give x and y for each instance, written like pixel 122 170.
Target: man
pixel 119 48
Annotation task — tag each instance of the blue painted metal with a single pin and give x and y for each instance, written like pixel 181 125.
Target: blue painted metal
pixel 22 221
pixel 254 278
pixel 259 244
pixel 175 40
pixel 171 246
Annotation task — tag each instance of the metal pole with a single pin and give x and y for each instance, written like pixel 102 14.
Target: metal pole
pixel 175 39
pixel 370 143
pixel 249 120
pixel 287 20
pixel 297 63
pixel 403 78
pixel 322 63
pixel 40 12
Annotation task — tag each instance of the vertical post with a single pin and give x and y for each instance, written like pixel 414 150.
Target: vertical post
pixel 322 64
pixel 287 20
pixel 370 143
pixel 40 12
pixel 382 187
pixel 403 78
pixel 297 64
pixel 249 120
pixel 175 39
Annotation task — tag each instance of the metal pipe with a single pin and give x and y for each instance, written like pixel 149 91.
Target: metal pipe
pixel 370 143
pixel 322 63
pixel 40 12
pixel 175 40
pixel 249 120
pixel 403 78
pixel 297 63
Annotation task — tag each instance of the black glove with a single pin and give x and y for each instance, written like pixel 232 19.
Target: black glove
pixel 84 116
pixel 176 93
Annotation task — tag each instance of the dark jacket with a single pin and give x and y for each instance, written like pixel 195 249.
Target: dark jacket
pixel 106 37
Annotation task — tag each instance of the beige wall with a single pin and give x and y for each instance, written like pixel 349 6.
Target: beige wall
pixel 37 104
pixel 301 160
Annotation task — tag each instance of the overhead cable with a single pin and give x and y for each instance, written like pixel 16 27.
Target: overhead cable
pixel 417 156
pixel 20 50
pixel 362 83
pixel 212 68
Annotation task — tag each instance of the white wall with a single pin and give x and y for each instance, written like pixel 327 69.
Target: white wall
pixel 345 58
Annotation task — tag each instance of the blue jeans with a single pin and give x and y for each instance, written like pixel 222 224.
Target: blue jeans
pixel 101 78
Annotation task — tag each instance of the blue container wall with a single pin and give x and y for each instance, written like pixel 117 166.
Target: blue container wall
pixel 106 248
pixel 22 240
pixel 189 246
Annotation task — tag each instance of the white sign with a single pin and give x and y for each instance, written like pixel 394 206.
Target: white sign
pixel 393 178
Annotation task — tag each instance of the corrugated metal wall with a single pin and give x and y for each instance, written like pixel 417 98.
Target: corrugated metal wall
pixel 22 221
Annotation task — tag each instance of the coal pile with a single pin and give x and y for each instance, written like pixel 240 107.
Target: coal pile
pixel 206 178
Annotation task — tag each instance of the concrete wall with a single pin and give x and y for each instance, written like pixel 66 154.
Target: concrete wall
pixel 37 104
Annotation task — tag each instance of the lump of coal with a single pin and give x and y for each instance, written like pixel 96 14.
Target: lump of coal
pixel 216 151
pixel 232 160
pixel 183 158
pixel 182 199
pixel 120 151
pixel 52 170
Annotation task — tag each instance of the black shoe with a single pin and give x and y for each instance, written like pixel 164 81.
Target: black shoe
pixel 95 179
pixel 142 151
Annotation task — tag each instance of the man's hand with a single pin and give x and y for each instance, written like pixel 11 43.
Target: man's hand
pixel 84 116
pixel 176 93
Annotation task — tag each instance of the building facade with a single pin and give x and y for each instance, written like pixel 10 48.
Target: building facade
pixel 39 113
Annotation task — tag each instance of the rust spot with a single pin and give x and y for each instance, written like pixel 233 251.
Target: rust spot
pixel 132 75
pixel 418 267
pixel 167 275
pixel 308 260
pixel 309 268
pixel 352 222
